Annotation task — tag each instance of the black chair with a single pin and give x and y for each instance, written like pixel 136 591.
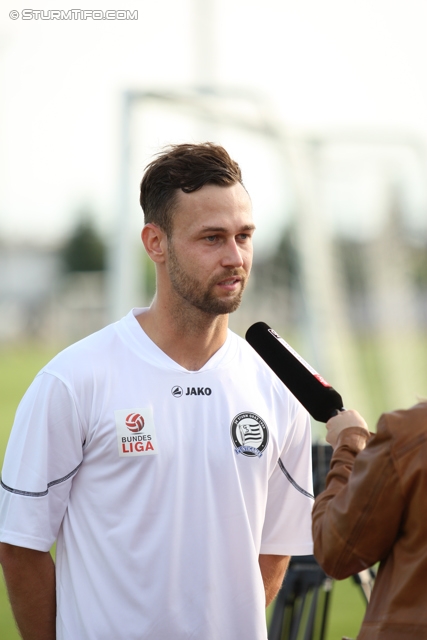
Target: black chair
pixel 301 607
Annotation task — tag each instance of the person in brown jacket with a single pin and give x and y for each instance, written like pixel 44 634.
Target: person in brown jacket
pixel 374 508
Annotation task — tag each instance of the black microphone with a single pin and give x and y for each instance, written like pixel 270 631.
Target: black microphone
pixel 315 394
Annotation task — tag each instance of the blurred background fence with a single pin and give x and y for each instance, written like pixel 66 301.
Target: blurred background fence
pixel 350 295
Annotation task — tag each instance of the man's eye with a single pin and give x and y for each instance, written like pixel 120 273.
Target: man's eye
pixel 211 238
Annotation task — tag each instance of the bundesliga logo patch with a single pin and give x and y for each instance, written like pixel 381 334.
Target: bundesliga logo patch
pixel 136 434
pixel 249 434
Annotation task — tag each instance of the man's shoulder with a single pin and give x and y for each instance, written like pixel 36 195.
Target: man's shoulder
pixel 405 425
pixel 93 341
pixel 249 361
pixel 247 352
pixel 93 350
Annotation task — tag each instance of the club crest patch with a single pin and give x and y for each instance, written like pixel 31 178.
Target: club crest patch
pixel 249 434
pixel 136 433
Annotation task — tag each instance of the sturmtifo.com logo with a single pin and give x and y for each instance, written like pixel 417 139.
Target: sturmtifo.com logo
pixel 74 14
pixel 249 434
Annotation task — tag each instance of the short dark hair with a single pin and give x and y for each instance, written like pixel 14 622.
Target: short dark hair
pixel 187 167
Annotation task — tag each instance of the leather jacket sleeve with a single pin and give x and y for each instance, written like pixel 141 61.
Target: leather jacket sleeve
pixel 356 518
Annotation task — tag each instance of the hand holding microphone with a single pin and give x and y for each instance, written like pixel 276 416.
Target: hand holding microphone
pixel 345 420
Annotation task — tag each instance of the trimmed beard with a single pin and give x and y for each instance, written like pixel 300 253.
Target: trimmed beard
pixel 199 295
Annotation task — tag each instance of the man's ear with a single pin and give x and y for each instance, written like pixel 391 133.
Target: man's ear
pixel 155 242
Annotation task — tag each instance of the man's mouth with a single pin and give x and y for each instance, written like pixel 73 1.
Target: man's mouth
pixel 230 280
pixel 230 283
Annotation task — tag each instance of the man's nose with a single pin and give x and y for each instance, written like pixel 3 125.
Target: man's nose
pixel 232 256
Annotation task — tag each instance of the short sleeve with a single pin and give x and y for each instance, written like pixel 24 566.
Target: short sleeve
pixel 43 455
pixel 287 526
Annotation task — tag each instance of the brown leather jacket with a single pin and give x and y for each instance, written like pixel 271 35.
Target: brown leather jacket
pixel 374 508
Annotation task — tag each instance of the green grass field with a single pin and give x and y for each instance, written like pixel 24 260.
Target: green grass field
pixel 18 365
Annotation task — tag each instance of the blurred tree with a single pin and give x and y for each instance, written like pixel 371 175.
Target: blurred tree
pixel 352 259
pixel 84 250
pixel 419 266
pixel 281 268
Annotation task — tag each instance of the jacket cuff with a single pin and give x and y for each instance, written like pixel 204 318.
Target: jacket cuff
pixel 354 438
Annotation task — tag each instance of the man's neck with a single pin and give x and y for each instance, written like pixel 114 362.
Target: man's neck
pixel 187 335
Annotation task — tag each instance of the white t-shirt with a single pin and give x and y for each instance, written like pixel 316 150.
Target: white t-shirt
pixel 161 486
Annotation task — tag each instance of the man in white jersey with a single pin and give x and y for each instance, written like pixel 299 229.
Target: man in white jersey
pixel 167 461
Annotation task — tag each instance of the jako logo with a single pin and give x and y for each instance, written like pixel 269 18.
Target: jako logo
pixel 134 422
pixel 199 391
pixel 177 392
